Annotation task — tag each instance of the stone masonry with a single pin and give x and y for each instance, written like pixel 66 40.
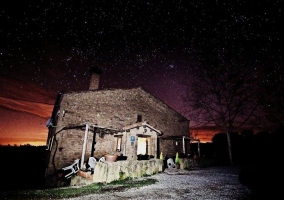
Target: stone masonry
pixel 120 170
pixel 113 109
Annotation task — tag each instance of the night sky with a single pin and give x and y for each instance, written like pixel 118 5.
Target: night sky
pixel 49 46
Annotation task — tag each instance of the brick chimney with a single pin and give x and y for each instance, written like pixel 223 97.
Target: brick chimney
pixel 95 78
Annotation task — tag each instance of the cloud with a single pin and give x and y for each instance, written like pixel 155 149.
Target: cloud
pixel 38 109
pixel 25 97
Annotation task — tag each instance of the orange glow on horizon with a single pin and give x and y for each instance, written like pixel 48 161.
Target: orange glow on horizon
pixel 203 135
pixel 18 128
pixel 25 108
pixel 23 141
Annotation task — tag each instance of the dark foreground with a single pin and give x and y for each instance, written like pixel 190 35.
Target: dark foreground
pixel 205 183
pixel 214 182
pixel 264 182
pixel 23 168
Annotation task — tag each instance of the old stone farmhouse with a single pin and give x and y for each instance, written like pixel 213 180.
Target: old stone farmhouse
pixel 127 122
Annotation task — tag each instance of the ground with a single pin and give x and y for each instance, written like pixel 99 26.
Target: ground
pixel 206 183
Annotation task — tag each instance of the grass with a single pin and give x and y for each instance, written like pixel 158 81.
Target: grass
pixel 59 193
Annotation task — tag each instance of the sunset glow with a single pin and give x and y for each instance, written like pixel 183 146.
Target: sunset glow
pixel 24 114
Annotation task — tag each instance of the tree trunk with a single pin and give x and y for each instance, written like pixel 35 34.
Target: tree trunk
pixel 230 148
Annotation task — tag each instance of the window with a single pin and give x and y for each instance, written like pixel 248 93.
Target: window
pixel 139 118
pixel 142 146
pixel 118 143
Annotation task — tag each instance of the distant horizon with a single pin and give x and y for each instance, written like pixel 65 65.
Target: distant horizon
pixel 23 141
pixel 203 134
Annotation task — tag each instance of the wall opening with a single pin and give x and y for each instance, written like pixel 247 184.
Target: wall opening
pixel 118 143
pixel 142 146
pixel 139 118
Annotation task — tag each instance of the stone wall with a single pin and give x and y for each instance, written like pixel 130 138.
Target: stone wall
pixel 120 170
pixel 119 108
pixel 71 141
pixel 113 109
pixel 170 147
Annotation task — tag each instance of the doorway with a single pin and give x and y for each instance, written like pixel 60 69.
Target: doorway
pixel 142 146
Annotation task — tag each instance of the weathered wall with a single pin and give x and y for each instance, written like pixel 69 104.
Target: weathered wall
pixel 72 143
pixel 114 109
pixel 169 147
pixel 104 145
pixel 119 108
pixel 108 172
pixel 131 149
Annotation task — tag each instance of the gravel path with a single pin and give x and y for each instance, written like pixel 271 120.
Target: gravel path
pixel 207 183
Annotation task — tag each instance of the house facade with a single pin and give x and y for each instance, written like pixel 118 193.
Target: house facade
pixel 127 122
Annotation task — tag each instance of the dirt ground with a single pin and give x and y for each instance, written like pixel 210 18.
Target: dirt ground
pixel 206 183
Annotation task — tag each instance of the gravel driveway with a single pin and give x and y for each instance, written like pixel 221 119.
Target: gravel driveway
pixel 206 183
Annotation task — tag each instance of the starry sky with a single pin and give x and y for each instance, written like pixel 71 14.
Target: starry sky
pixel 49 46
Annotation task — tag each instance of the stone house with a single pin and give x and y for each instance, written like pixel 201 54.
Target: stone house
pixel 127 122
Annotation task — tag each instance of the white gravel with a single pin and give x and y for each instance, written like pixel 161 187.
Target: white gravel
pixel 207 183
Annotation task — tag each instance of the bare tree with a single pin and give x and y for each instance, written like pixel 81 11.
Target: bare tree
pixel 224 89
pixel 223 94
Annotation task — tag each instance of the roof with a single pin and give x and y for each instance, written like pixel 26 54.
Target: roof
pixel 136 88
pixel 144 124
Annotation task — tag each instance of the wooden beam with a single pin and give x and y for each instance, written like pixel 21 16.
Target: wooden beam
pixel 84 145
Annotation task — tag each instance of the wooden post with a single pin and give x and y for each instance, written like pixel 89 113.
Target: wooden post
pixel 198 148
pixel 94 142
pixel 124 146
pixel 183 145
pixel 84 145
